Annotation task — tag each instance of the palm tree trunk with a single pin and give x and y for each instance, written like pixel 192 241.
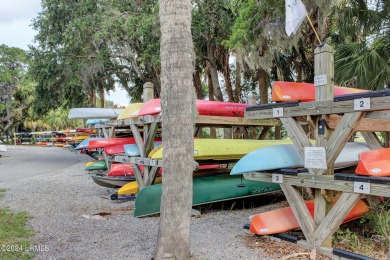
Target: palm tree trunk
pixel 178 112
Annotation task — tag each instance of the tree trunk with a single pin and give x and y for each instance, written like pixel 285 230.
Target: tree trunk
pixel 178 113
pixel 213 133
pixel 198 85
pixel 101 95
pixel 226 75
pixel 238 82
pixel 263 85
pixel 214 73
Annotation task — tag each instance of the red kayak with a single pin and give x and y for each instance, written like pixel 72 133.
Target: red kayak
pixel 205 107
pixel 283 91
pixel 119 169
pixel 114 149
pixel 101 143
pixel 374 163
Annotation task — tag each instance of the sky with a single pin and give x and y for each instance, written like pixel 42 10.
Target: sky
pixel 15 31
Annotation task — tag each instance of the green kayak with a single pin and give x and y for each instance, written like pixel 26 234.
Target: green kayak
pixel 97 166
pixel 205 190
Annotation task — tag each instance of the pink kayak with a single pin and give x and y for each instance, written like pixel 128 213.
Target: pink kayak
pixel 205 107
pixel 101 143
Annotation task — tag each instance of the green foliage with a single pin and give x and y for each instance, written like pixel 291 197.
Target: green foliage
pixel 361 31
pixel 14 235
pixel 15 87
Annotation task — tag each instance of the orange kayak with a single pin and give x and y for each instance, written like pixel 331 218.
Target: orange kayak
pixel 283 91
pixel 374 163
pixel 282 220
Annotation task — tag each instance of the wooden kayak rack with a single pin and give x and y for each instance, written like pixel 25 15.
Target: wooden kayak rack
pixel 145 128
pixel 335 121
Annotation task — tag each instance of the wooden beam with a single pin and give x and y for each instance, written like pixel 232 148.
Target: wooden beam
pixel 372 140
pixel 340 136
pixel 138 139
pixel 233 121
pixel 364 125
pixel 320 108
pixel 138 176
pixel 319 182
pixel 300 210
pixel 152 175
pixel 149 139
pixel 297 135
pixel 335 217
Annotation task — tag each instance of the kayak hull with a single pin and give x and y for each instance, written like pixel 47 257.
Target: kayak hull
pixel 374 163
pixel 205 190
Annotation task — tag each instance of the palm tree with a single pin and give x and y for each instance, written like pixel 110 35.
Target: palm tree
pixel 361 32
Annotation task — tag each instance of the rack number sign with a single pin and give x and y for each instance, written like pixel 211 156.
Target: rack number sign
pixel 361 104
pixel 153 163
pixel 277 112
pixel 361 187
pixel 277 178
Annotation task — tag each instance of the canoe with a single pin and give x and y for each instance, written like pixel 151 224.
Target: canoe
pixel 84 144
pixel 92 113
pixel 204 107
pixel 283 220
pixel 205 190
pixel 374 163
pixel 131 111
pixel 97 166
pixel 283 91
pixel 132 149
pixel 101 143
pixel 223 149
pixel 287 156
pixel 112 182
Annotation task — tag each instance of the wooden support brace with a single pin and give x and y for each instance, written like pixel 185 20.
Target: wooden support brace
pixel 300 210
pixel 372 140
pixel 297 135
pixel 138 176
pixel 138 139
pixel 149 140
pixel 335 217
pixel 152 175
pixel 340 136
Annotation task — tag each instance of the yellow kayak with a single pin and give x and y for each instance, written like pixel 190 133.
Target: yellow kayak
pixel 130 111
pixel 80 137
pixel 132 187
pixel 222 149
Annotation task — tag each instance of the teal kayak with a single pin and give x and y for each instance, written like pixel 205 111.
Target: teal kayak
pixel 205 190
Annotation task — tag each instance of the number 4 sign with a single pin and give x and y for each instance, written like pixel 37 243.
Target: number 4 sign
pixel 361 187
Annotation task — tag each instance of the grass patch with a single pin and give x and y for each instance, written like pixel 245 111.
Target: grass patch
pixel 2 192
pixel 14 234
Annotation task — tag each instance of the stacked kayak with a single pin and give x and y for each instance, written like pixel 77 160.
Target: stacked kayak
pixel 283 91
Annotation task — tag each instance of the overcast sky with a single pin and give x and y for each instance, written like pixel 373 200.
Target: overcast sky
pixel 15 31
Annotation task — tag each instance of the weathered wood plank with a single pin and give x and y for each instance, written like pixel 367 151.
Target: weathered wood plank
pixel 335 217
pixel 138 139
pixel 340 136
pixel 319 182
pixel 152 175
pixel 323 68
pixel 234 121
pixel 372 140
pixel 364 125
pixel 300 210
pixel 138 176
pixel 297 135
pixel 320 108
